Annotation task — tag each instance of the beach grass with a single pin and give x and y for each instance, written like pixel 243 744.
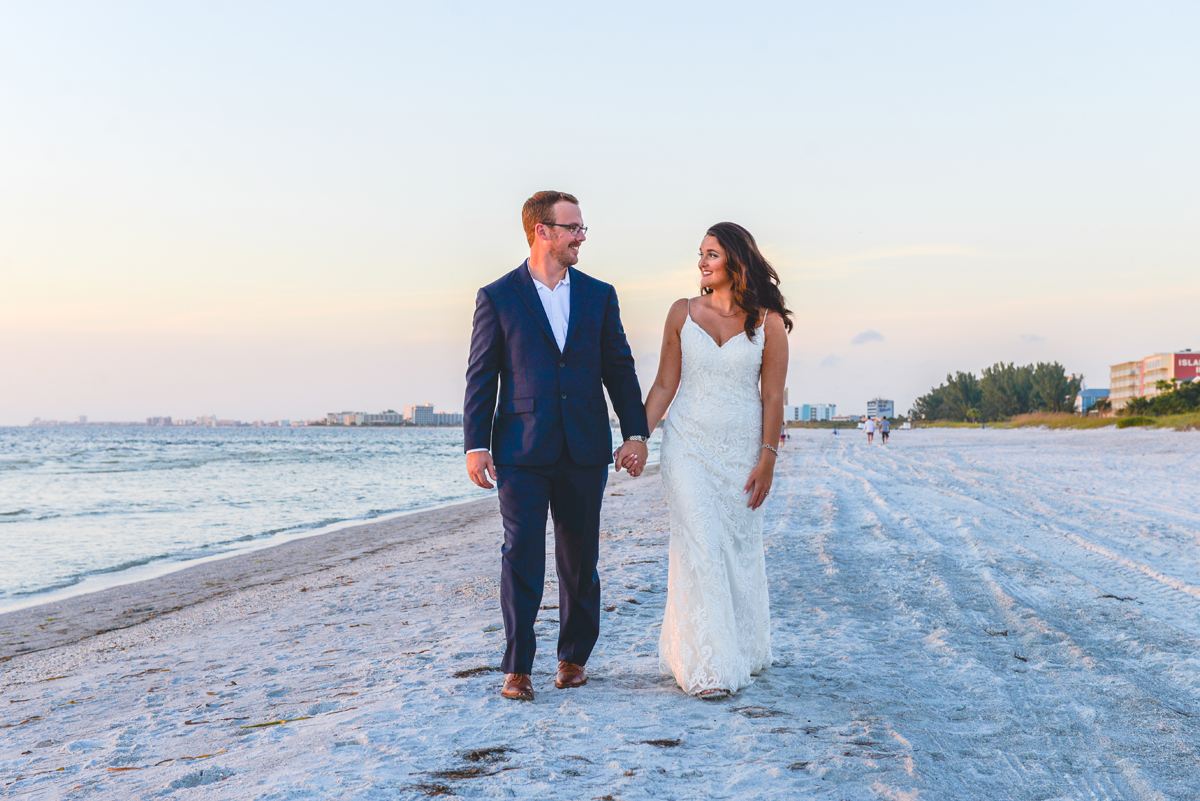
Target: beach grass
pixel 1179 422
pixel 1057 420
pixel 1067 420
pixel 953 424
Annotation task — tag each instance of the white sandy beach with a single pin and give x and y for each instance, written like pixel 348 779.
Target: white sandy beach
pixel 963 614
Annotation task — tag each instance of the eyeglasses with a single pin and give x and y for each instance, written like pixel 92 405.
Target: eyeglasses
pixel 574 228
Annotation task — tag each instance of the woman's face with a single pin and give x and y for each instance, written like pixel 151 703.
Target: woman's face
pixel 714 274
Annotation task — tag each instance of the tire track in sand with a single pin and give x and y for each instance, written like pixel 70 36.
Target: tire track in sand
pixel 946 561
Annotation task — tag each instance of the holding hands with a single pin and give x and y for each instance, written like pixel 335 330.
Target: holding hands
pixel 632 456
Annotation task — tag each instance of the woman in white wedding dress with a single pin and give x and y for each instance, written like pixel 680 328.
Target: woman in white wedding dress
pixel 721 372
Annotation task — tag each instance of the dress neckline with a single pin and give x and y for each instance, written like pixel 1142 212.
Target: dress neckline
pixel 713 339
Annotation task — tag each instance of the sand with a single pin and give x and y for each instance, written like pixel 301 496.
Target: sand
pixel 960 615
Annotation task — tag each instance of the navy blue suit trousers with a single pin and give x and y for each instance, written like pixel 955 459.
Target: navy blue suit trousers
pixel 572 493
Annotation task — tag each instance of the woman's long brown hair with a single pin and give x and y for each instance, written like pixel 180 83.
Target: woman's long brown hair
pixel 755 282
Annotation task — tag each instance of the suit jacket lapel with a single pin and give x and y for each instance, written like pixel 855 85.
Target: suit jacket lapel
pixel 579 297
pixel 528 293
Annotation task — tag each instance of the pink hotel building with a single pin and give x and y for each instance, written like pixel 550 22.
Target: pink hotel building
pixel 1137 379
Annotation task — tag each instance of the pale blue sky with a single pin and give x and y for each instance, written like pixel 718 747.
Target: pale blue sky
pixel 266 210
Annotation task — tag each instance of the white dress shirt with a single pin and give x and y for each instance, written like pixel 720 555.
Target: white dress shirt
pixel 557 303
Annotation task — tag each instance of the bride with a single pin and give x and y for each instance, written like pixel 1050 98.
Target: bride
pixel 718 461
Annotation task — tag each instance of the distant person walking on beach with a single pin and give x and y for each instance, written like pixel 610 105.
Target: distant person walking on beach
pixel 884 428
pixel 722 369
pixel 546 338
pixel 870 429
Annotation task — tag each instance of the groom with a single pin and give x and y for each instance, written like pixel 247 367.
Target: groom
pixel 546 337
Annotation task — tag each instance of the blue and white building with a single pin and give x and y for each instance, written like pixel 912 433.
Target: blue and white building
pixel 809 413
pixel 878 407
pixel 1087 398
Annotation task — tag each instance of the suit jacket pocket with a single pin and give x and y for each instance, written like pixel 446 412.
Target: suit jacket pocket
pixel 516 406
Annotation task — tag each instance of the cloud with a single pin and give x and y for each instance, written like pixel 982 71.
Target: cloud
pixel 1032 338
pixel 831 361
pixel 865 337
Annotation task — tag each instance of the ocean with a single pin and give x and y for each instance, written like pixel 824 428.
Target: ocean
pixel 82 508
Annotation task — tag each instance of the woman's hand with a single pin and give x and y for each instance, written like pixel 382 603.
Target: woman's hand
pixel 761 477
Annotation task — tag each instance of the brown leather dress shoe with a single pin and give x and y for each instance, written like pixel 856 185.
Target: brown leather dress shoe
pixel 570 675
pixel 518 687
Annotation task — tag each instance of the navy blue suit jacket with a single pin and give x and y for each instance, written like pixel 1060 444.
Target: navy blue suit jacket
pixel 525 399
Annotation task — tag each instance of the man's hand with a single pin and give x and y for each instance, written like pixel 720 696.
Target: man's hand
pixel 632 456
pixel 480 467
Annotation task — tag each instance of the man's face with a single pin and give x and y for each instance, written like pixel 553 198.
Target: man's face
pixel 564 245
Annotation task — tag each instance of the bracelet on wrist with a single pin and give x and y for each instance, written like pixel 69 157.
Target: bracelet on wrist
pixel 771 448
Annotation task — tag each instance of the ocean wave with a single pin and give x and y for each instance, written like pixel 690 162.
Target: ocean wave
pixel 132 563
pixel 98 502
pixel 59 585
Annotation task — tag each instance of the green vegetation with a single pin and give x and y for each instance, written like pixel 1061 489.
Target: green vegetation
pixel 1063 420
pixel 1181 422
pixel 1173 398
pixel 825 424
pixel 1001 392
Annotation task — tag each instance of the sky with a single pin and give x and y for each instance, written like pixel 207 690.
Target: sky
pixel 276 210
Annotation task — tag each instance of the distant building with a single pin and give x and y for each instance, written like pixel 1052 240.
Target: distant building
pixel 821 412
pixel 159 421
pixel 386 418
pixel 809 412
pixel 1137 379
pixel 424 415
pixel 878 407
pixel 81 419
pixel 421 415
pixel 1087 398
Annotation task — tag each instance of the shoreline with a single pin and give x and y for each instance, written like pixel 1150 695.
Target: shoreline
pixel 164 566
pixel 158 567
pixel 198 580
pixel 189 583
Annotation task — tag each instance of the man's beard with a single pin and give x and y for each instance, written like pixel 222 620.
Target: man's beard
pixel 565 257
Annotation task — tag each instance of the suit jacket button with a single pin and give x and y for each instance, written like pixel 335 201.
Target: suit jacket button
pixel 564 397
pixel 562 364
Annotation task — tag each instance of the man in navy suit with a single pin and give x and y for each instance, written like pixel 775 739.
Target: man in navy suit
pixel 546 339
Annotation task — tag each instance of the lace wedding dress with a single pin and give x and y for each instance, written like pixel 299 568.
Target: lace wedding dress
pixel 716 630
